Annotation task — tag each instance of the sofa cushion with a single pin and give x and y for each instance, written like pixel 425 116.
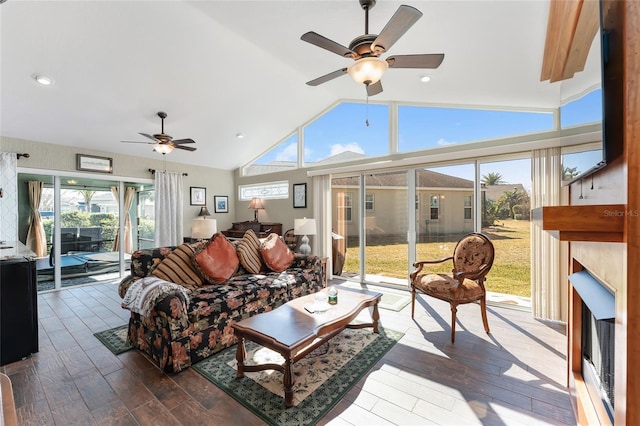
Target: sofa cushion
pixel 216 260
pixel 248 250
pixel 275 253
pixel 178 267
pixel 145 260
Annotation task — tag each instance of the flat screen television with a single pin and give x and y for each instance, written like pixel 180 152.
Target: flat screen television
pixel 597 105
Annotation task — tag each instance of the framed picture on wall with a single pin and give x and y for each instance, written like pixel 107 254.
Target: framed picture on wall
pixel 91 163
pixel 299 195
pixel 198 196
pixel 221 204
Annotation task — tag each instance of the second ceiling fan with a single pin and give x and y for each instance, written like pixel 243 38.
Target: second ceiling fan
pixel 366 50
pixel 163 142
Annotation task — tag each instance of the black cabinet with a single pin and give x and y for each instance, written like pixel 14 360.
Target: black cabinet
pixel 18 309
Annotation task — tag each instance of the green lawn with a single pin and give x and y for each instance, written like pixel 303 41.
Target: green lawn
pixel 511 268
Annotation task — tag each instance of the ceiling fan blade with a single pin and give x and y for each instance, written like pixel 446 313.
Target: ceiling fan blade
pixel 330 45
pixel 327 77
pixel 186 148
pixel 146 135
pixel 427 60
pixel 146 143
pixel 181 141
pixel 399 24
pixel 374 89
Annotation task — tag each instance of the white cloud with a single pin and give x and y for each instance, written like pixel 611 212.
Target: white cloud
pixel 340 148
pixel 442 142
pixel 288 153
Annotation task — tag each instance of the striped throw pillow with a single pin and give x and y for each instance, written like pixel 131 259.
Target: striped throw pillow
pixel 248 250
pixel 178 268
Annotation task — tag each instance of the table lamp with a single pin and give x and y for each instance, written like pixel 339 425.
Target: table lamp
pixel 203 228
pixel 304 227
pixel 256 204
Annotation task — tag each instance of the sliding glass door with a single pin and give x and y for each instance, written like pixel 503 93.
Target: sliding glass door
pixel 346 226
pixel 381 230
pixel 444 211
pixel 84 230
pixel 385 223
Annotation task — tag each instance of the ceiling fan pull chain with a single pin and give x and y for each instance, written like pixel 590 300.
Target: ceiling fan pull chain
pixel 366 121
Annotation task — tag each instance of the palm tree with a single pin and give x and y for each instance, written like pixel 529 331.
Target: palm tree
pixel 509 199
pixel 492 178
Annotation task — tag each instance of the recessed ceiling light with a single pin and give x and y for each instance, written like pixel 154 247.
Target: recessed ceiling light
pixel 239 135
pixel 424 78
pixel 42 79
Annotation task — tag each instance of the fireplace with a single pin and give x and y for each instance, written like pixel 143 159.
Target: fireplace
pixel 593 345
pixel 598 360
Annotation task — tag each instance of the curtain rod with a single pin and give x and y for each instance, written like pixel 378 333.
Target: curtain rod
pixel 25 155
pixel 153 172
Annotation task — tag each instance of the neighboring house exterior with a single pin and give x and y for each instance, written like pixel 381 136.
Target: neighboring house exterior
pixel 445 205
pixel 494 192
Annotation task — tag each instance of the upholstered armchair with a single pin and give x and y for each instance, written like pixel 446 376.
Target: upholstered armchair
pixel 291 240
pixel 472 259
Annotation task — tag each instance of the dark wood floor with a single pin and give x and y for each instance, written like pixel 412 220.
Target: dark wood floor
pixel 516 375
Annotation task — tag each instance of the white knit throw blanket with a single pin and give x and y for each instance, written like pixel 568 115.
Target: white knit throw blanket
pixel 143 294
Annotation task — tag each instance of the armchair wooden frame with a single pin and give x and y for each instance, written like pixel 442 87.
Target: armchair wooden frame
pixel 465 284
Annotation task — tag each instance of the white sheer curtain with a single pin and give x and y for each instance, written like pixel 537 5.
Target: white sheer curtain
pixel 322 214
pixel 546 288
pixel 168 208
pixel 36 239
pixel 9 198
pixel 129 192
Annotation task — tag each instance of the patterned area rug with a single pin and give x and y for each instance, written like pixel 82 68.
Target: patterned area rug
pixel 115 339
pixel 320 381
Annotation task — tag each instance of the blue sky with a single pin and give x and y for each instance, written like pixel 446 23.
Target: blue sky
pixel 344 129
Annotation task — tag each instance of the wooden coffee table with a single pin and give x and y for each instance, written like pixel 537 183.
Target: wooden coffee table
pixel 294 332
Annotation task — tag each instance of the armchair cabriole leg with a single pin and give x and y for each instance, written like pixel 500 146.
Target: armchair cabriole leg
pixel 454 310
pixel 413 300
pixel 483 307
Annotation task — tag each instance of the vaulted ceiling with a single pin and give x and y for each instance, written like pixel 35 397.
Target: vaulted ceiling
pixel 219 68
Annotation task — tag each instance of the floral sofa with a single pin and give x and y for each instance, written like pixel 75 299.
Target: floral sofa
pixel 192 321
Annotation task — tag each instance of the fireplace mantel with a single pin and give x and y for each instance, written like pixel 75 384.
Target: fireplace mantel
pixel 599 223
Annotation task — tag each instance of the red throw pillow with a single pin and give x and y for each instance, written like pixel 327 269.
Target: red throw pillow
pixel 276 254
pixel 217 260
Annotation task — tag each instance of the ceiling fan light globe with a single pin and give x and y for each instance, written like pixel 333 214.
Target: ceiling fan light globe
pixel 163 148
pixel 368 70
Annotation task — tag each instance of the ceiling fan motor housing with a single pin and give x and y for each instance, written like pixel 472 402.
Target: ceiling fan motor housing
pixel 362 45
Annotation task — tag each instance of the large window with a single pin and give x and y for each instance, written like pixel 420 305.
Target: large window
pixel 587 109
pixel 422 127
pixel 282 157
pixel 342 134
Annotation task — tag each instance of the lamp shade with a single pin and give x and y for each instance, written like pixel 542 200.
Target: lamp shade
pixel 368 70
pixel 256 203
pixel 304 226
pixel 202 228
pixel 204 211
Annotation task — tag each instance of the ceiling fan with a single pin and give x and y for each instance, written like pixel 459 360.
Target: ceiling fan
pixel 164 143
pixel 366 50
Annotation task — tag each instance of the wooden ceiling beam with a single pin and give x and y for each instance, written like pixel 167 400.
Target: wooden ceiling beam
pixel 571 27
